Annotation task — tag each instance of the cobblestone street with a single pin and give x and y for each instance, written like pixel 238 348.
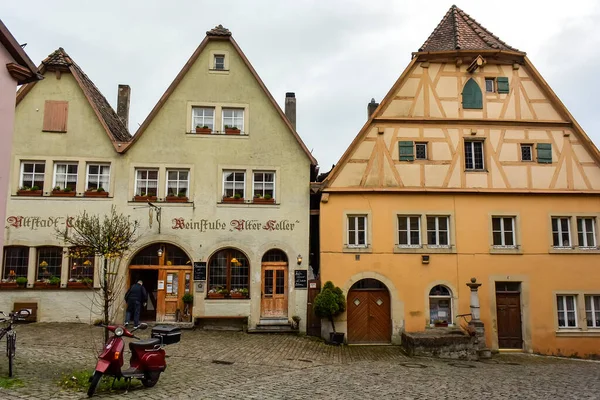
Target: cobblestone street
pixel 289 367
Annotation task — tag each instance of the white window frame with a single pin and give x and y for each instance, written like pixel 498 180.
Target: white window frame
pixel 560 232
pixel 530 151
pixel 203 117
pixel 471 144
pixel 263 183
pixel 493 80
pixel 356 231
pixel 241 126
pixel 35 163
pixel 67 174
pixel 424 144
pixel 592 309
pixel 138 180
pixel 215 56
pixel 229 171
pixel 503 231
pixel 178 181
pixel 565 311
pixel 409 231
pixel 437 231
pixel 585 244
pixel 99 175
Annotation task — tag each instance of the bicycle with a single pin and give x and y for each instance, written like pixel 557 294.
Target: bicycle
pixel 11 335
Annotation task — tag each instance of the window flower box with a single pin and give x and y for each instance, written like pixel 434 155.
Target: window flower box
pixel 262 200
pixel 95 193
pixel 239 293
pixel 79 285
pixel 46 285
pixel 204 130
pixel 63 193
pixel 29 192
pixel 232 131
pixel 440 324
pixel 233 200
pixel 9 285
pixel 176 199
pixel 215 295
pixel 144 198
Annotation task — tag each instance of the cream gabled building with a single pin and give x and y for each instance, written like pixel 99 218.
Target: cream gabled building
pixel 470 167
pixel 224 212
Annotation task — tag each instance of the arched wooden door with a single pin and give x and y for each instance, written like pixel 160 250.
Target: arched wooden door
pixel 369 313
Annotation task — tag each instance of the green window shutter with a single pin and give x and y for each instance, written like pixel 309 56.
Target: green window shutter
pixel 406 150
pixel 471 95
pixel 502 82
pixel 544 153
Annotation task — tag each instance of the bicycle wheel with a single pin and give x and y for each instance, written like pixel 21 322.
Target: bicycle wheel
pixel 11 344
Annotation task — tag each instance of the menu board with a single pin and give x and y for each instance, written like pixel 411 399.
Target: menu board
pixel 300 279
pixel 200 270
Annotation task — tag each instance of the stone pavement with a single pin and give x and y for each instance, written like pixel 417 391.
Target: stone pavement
pixel 290 367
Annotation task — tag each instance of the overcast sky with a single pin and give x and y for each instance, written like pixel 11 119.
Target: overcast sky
pixel 335 54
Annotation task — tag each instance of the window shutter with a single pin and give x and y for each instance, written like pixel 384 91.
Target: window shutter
pixel 55 116
pixel 544 153
pixel 471 95
pixel 406 151
pixel 502 82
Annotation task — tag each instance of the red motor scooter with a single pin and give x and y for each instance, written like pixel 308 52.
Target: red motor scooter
pixel 146 363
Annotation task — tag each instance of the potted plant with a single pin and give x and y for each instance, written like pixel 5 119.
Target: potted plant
pixel 145 197
pixel 440 323
pixel 99 192
pixel 29 191
pixel 85 283
pixel 239 293
pixel 296 322
pixel 231 130
pixel 21 282
pixel 330 303
pixel 204 130
pixel 266 199
pixel 66 192
pixel 236 198
pixel 217 292
pixel 180 198
pixel 187 298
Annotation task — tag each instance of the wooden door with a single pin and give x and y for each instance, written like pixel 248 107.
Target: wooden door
pixel 173 293
pixel 313 323
pixel 274 290
pixel 369 316
pixel 508 313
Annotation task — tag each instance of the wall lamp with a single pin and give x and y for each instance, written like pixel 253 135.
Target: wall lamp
pixel 299 259
pixel 160 251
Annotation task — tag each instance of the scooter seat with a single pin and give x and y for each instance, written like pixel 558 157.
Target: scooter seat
pixel 144 344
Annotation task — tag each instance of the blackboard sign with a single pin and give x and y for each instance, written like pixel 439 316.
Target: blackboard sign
pixel 301 279
pixel 200 270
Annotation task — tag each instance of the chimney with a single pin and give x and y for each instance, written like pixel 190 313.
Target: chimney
pixel 123 104
pixel 371 107
pixel 290 108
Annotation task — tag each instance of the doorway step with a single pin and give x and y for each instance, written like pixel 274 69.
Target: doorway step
pixel 273 325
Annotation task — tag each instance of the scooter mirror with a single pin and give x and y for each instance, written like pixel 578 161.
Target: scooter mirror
pixel 143 326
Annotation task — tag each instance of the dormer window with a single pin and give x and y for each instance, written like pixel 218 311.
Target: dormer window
pixel 219 63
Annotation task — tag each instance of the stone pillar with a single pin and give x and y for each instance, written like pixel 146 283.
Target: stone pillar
pixel 290 108
pixel 479 339
pixel 123 100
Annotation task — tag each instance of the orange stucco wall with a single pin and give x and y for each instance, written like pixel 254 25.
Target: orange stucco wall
pixel 542 272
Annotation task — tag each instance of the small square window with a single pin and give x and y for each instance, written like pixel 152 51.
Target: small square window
pixel 526 152
pixel 490 85
pixel 421 151
pixel 219 62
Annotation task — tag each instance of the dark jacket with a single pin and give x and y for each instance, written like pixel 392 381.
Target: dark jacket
pixel 136 293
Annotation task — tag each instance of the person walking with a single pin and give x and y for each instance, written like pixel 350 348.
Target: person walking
pixel 135 296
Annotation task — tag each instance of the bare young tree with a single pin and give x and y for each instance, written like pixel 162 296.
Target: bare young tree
pixel 108 237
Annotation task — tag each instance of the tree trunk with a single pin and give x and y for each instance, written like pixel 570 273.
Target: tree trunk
pixel 332 324
pixel 106 300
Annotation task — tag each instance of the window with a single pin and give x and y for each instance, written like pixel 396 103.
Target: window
pixel 503 231
pixel 55 116
pixel 421 151
pixel 32 175
pixel 177 182
pixel 357 231
pixel 65 176
pixel 474 155
pixel 219 62
pixel 544 153
pixel 203 116
pixel 264 185
pixel 561 232
pixel 586 232
pixel 228 269
pixel 440 305
pixel 471 95
pixel 526 152
pixel 567 314
pixel 592 311
pixel 172 284
pixel 490 85
pixel 234 184
pixel 409 231
pixel 146 182
pixel 437 231
pixel 98 176
pixel 274 255
pixel 16 261
pixel 81 265
pixel 49 262
pixel 233 118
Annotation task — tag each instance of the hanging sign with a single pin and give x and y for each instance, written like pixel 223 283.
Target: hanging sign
pixel 300 279
pixel 199 270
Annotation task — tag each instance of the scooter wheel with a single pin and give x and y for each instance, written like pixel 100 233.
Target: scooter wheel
pixel 151 378
pixel 95 380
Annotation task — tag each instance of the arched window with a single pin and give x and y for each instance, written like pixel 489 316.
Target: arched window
pixel 471 95
pixel 440 305
pixel 274 255
pixel 16 260
pixel 229 269
pixel 49 262
pixel 161 254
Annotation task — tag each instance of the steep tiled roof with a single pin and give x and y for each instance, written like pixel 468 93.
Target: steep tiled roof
pixel 218 30
pixel 458 31
pixel 61 60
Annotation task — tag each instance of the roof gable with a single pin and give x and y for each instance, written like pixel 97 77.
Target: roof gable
pixel 26 70
pixel 458 31
pixel 217 33
pixel 59 60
